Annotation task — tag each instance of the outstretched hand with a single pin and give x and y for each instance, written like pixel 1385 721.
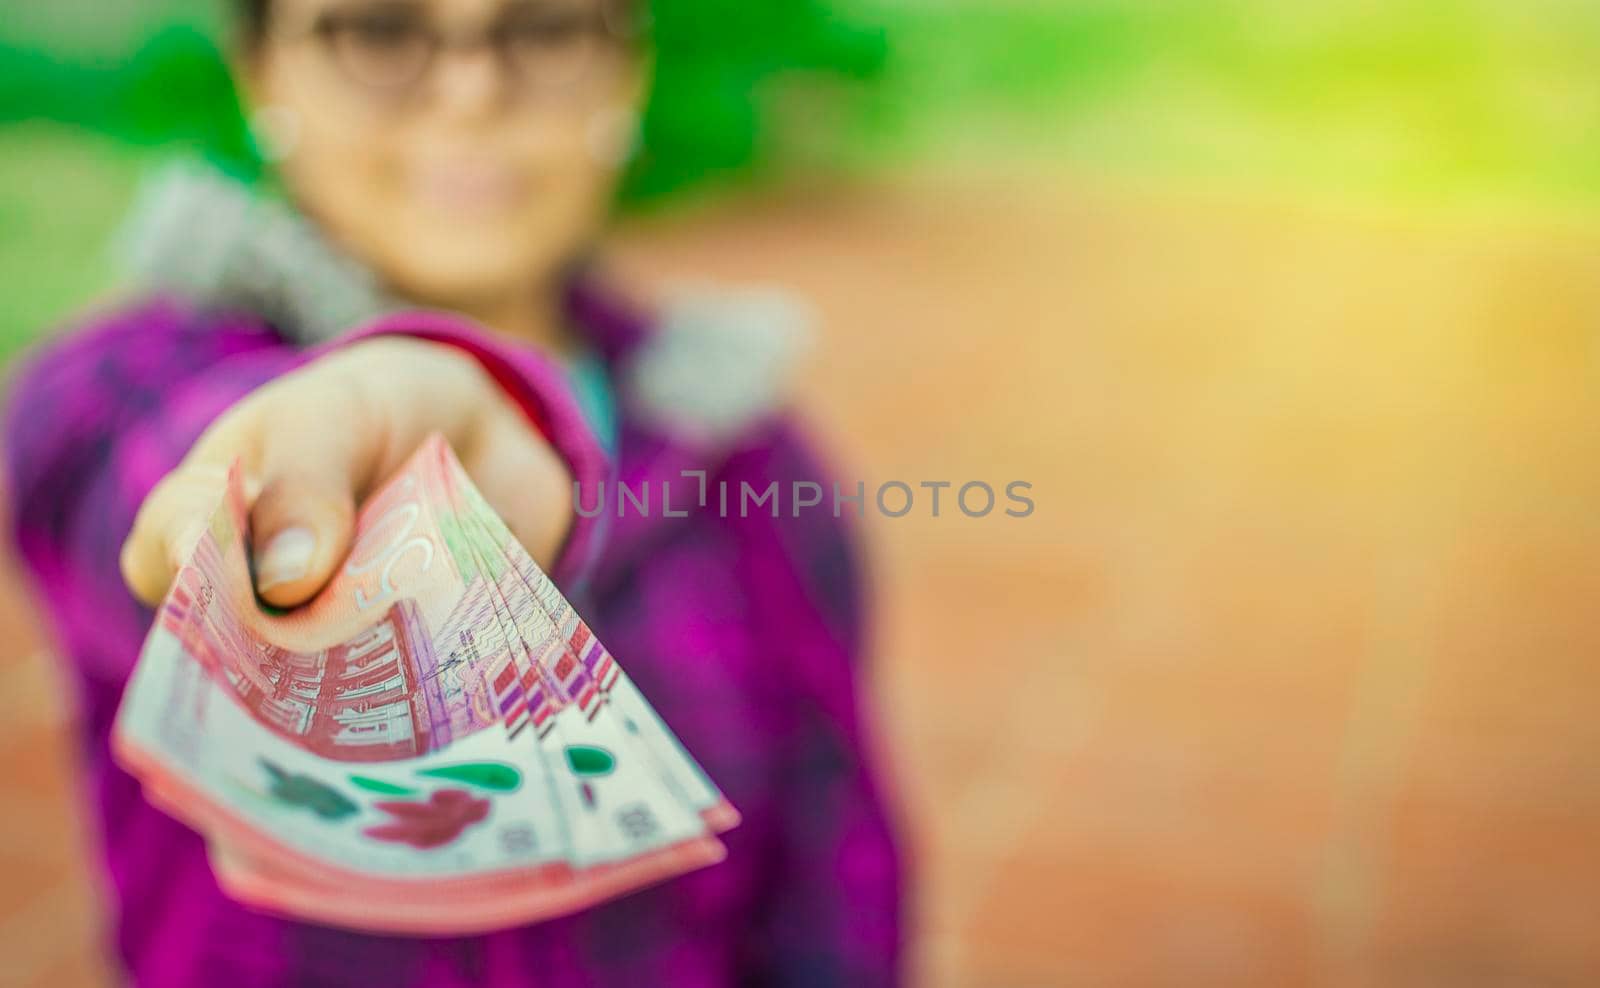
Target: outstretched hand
pixel 314 442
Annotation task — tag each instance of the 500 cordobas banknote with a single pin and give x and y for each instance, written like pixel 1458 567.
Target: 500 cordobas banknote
pixel 435 744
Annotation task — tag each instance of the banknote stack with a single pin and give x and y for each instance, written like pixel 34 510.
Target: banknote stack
pixel 435 744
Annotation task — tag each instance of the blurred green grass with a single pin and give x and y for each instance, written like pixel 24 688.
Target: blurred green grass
pixel 1419 104
pixel 62 192
pixel 1412 101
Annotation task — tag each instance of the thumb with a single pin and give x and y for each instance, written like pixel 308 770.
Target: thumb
pixel 301 526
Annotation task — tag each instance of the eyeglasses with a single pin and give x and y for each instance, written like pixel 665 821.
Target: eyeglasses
pixel 543 46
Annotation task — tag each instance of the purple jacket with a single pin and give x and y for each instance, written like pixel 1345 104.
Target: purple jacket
pixel 745 633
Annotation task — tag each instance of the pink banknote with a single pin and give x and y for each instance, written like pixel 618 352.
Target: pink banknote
pixel 436 743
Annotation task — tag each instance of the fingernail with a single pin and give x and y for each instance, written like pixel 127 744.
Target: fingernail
pixel 287 558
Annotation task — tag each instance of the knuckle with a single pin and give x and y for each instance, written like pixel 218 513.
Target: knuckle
pixel 128 560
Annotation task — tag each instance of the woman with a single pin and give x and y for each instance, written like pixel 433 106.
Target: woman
pixel 462 153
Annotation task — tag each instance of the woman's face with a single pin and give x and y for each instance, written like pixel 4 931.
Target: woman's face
pixel 465 149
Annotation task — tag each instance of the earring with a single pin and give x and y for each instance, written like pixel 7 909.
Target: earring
pixel 612 136
pixel 275 131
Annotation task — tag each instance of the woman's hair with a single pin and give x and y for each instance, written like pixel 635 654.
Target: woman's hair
pixel 253 18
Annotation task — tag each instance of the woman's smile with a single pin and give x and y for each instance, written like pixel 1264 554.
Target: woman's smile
pixel 465 185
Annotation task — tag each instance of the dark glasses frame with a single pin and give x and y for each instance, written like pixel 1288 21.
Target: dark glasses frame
pixel 586 35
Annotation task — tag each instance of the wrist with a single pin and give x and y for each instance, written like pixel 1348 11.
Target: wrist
pixel 538 389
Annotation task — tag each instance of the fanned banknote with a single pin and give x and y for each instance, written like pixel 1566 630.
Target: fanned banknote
pixel 436 743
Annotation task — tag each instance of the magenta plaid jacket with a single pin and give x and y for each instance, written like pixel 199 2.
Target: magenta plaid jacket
pixel 745 633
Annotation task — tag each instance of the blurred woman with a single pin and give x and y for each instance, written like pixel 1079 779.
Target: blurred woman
pixel 456 159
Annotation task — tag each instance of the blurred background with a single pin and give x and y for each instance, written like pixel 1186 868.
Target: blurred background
pixel 1289 312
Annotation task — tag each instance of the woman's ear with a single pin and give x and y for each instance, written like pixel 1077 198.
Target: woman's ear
pixel 274 128
pixel 245 59
pixel 636 79
pixel 613 131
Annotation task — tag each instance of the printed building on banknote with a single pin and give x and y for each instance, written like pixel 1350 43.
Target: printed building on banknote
pixel 389 693
pixel 364 700
pixel 373 698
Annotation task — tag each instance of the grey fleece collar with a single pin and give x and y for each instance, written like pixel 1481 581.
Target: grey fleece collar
pixel 719 361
